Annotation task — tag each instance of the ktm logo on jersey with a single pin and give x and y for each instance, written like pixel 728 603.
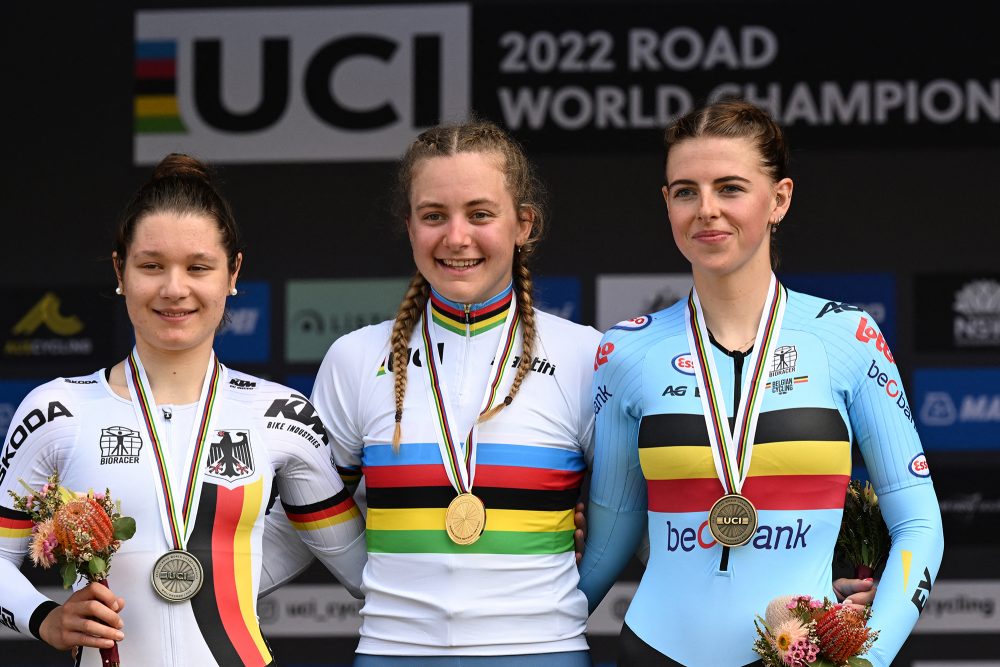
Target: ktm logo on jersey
pixel 229 455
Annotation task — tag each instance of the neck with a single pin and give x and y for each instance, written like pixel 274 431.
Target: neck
pixel 732 306
pixel 175 376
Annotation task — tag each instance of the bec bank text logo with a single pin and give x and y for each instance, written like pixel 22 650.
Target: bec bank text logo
pixel 297 84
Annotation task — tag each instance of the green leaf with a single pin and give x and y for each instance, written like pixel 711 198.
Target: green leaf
pixel 124 527
pixel 858 662
pixel 820 662
pixel 68 572
pixel 97 566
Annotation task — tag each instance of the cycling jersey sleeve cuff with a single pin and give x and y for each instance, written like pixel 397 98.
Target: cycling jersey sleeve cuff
pixel 41 612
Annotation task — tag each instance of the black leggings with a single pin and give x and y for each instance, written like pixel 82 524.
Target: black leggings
pixel 633 652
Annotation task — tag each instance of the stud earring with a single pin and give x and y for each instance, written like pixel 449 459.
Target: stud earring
pixel 233 292
pixel 118 291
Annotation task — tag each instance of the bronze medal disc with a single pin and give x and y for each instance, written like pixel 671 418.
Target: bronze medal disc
pixel 732 520
pixel 465 518
pixel 177 576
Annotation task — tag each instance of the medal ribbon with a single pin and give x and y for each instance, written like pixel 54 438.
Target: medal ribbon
pixel 176 520
pixel 732 450
pixel 461 468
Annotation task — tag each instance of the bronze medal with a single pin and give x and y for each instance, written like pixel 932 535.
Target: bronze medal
pixel 732 520
pixel 465 519
pixel 177 576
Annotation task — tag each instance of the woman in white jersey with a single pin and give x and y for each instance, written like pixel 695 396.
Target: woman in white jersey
pixel 190 448
pixel 469 420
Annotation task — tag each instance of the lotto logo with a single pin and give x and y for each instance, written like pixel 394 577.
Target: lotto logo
pixel 603 352
pixel 866 333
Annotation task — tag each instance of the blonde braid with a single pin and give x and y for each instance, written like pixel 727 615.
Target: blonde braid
pixel 526 309
pixel 409 313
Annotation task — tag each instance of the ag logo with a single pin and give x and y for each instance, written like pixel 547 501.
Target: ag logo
pixel 682 363
pixel 286 84
pixel 229 455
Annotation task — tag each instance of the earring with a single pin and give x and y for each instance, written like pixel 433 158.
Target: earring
pixel 233 292
pixel 118 291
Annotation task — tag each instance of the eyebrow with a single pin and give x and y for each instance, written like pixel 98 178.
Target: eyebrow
pixel 470 203
pixel 723 179
pixel 155 254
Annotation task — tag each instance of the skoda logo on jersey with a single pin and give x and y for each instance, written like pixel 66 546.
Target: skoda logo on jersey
pixel 634 324
pixel 919 467
pixel 682 363
pixel 120 445
pixel 229 455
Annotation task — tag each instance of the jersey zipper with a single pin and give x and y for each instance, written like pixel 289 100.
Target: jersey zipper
pixel 738 358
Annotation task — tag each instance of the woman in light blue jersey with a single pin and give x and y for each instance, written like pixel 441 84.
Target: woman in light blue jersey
pixel 739 472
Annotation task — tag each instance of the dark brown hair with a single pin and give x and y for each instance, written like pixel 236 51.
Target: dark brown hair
pixel 486 138
pixel 179 184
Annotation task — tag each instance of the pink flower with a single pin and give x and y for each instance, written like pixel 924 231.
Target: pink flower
pixel 43 545
pixel 788 638
pixel 99 497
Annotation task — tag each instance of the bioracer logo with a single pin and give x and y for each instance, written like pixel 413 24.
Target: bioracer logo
pixel 293 84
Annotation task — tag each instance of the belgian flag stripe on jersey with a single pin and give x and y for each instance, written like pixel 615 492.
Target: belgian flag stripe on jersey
pixel 224 608
pixel 673 430
pixel 14 524
pixel 780 492
pixel 336 509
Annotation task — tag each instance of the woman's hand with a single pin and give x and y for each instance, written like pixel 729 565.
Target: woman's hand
pixel 857 591
pixel 88 618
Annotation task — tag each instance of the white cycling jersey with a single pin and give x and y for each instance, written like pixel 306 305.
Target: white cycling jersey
pixel 264 438
pixel 514 591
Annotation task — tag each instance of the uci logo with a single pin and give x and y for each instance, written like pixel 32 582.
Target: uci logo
pixel 337 83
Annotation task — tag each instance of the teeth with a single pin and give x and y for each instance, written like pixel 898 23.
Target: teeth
pixel 460 263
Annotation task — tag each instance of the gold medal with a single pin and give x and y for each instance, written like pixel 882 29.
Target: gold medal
pixel 732 520
pixel 465 519
pixel 177 576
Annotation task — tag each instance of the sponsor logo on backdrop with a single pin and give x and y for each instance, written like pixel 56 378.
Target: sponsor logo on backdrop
pixel 620 298
pixel 977 314
pixel 64 323
pixel 247 335
pixel 317 312
pixel 958 407
pixel 230 456
pixel 297 84
pixel 120 444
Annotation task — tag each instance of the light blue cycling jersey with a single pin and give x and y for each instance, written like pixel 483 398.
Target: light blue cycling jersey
pixel 832 380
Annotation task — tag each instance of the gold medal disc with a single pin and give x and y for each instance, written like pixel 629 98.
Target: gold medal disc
pixel 465 519
pixel 177 576
pixel 732 520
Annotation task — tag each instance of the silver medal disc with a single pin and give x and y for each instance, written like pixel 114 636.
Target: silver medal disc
pixel 177 576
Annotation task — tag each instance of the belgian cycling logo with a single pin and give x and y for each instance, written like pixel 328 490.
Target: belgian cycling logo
pixel 7 619
pixel 230 457
pixel 120 445
pixel 783 360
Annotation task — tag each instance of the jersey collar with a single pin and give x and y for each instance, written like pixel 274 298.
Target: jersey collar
pixel 474 318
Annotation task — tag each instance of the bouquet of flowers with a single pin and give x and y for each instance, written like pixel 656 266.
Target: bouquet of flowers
pixel 864 541
pixel 79 532
pixel 798 631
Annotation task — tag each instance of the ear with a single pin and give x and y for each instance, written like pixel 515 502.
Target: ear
pixel 782 198
pixel 526 217
pixel 116 264
pixel 236 270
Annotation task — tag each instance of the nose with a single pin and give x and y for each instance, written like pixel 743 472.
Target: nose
pixel 456 233
pixel 174 284
pixel 708 208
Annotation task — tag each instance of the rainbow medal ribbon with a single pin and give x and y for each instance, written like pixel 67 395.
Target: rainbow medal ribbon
pixel 465 518
pixel 177 575
pixel 733 518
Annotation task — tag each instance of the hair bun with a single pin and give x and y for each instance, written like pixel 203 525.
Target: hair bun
pixel 180 165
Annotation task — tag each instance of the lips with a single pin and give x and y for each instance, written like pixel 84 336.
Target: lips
pixel 173 314
pixel 460 263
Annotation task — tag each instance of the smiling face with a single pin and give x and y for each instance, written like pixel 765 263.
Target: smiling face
pixel 721 205
pixel 464 226
pixel 175 279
